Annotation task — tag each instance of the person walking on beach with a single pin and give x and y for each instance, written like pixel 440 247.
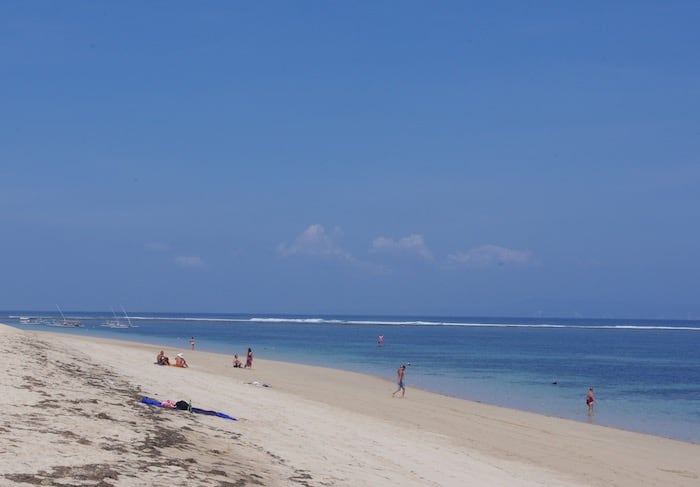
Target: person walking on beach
pixel 590 400
pixel 192 343
pixel 400 375
pixel 249 359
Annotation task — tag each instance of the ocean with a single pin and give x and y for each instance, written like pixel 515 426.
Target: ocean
pixel 645 373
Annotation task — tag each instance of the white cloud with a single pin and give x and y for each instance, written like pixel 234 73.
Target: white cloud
pixel 314 241
pixel 490 255
pixel 413 244
pixel 189 262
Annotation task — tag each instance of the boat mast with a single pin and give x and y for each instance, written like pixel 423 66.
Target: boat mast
pixel 59 310
pixel 127 316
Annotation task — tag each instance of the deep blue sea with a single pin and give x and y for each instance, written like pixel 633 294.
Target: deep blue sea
pixel 645 373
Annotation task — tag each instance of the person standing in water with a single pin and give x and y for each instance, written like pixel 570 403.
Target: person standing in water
pixel 400 373
pixel 590 400
pixel 380 340
pixel 192 343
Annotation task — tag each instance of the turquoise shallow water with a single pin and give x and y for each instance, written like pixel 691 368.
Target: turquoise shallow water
pixel 646 374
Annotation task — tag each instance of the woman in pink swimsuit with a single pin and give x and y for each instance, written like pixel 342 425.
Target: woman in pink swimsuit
pixel 590 399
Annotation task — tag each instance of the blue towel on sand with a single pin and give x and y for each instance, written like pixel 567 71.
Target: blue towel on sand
pixel 154 402
pixel 212 413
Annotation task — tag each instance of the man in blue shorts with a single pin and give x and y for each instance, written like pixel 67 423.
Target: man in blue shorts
pixel 400 373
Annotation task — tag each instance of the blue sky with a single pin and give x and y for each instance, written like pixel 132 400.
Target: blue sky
pixel 493 158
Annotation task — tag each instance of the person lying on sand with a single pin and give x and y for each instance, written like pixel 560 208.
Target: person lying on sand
pixel 180 361
pixel 161 359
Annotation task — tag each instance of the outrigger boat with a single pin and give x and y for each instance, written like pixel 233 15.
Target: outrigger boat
pixel 69 323
pixel 117 322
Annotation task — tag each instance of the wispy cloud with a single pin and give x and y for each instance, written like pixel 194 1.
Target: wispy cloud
pixel 314 241
pixel 489 256
pixel 190 262
pixel 156 247
pixel 413 244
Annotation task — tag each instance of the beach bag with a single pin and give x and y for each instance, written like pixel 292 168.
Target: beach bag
pixel 184 405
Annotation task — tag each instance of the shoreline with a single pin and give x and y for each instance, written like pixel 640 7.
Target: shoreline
pixel 641 396
pixel 312 426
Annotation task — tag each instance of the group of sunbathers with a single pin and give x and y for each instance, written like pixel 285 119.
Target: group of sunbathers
pixel 162 359
pixel 180 361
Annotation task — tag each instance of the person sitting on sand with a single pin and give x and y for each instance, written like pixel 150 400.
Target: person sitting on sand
pixel 161 359
pixel 180 361
pixel 236 362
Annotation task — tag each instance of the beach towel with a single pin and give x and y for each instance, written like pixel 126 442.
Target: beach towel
pixel 155 402
pixel 212 413
pixel 152 402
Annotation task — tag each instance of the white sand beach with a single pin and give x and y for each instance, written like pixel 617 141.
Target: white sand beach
pixel 72 416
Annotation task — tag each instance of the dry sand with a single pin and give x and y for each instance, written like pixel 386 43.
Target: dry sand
pixel 71 415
